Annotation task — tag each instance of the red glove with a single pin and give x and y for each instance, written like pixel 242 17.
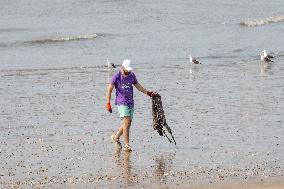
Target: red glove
pixel 150 94
pixel 108 107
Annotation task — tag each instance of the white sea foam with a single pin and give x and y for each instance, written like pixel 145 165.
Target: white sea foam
pixel 262 21
pixel 68 38
pixel 49 40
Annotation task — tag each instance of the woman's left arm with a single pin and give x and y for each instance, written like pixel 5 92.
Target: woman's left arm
pixel 140 88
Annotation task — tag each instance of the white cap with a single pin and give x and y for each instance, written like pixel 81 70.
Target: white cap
pixel 127 64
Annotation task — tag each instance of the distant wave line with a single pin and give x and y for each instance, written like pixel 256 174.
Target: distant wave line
pixel 48 40
pixel 262 21
pixel 24 71
pixel 218 56
pixel 4 30
pixel 63 39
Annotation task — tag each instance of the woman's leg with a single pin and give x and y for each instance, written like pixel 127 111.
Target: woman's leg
pixel 126 127
pixel 119 132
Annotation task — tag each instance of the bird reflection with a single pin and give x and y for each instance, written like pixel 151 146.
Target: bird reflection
pixel 110 74
pixel 265 68
pixel 111 69
pixel 194 72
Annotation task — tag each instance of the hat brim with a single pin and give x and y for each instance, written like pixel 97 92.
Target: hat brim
pixel 128 68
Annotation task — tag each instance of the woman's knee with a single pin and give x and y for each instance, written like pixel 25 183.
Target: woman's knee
pixel 127 121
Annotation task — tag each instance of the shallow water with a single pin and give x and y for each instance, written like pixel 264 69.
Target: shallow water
pixel 226 114
pixel 146 32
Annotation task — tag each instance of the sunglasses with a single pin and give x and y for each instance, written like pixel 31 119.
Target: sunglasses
pixel 126 72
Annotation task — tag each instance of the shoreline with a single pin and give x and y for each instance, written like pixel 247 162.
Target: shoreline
pixel 111 183
pixel 271 184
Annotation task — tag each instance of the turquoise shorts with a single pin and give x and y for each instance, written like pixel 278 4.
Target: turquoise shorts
pixel 125 111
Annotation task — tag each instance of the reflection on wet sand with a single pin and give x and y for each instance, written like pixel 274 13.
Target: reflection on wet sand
pixel 125 165
pixel 160 174
pixel 163 165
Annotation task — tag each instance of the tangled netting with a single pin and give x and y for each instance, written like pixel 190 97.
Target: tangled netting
pixel 159 119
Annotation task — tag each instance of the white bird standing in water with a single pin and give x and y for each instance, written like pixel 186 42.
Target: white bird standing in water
pixel 265 59
pixel 266 55
pixel 110 65
pixel 193 60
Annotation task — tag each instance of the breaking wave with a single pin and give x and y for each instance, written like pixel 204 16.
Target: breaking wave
pixel 262 21
pixel 63 39
pixel 48 40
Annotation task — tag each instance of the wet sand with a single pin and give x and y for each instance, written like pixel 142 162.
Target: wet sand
pixel 269 183
pixel 275 185
pixel 55 131
pixel 228 187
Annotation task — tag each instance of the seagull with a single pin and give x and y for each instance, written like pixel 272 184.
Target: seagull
pixel 265 59
pixel 266 55
pixel 110 65
pixel 193 60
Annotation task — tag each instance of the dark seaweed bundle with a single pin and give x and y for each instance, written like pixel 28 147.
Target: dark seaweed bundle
pixel 159 119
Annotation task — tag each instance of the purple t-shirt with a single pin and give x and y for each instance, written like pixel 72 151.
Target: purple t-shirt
pixel 124 88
